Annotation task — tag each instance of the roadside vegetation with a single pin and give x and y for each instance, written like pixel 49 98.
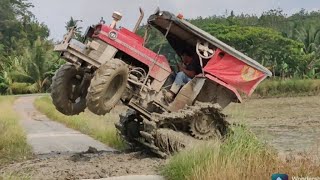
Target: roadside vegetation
pixel 27 60
pixel 13 141
pixel 241 156
pixel 99 127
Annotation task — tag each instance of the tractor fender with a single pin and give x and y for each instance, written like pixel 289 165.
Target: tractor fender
pixel 234 90
pixel 205 89
pixel 187 94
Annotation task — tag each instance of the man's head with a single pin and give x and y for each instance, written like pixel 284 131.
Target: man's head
pixel 186 57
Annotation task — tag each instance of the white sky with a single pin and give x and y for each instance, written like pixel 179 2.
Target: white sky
pixel 55 13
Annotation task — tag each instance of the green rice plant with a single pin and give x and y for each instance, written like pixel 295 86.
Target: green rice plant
pixel 289 87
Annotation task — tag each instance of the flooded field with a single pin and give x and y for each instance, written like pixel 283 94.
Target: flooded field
pixel 291 125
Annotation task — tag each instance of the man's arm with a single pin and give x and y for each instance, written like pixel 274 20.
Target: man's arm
pixel 189 73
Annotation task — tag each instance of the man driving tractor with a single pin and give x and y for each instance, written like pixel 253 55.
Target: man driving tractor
pixel 188 69
pixel 113 65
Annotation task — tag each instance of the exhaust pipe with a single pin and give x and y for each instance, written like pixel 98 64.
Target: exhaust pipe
pixel 139 20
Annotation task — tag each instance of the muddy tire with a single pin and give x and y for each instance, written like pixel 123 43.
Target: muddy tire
pixel 107 86
pixel 63 86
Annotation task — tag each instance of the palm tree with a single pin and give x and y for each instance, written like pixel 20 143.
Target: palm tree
pixel 78 31
pixel 35 67
pixel 310 37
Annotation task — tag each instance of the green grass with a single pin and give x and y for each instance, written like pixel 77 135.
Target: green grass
pixel 15 177
pixel 99 127
pixel 13 143
pixel 241 156
pixel 290 87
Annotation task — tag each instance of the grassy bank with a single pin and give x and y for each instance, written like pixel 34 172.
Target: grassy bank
pixel 290 87
pixel 99 127
pixel 241 156
pixel 13 143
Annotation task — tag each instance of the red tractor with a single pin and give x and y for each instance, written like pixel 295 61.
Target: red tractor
pixel 112 64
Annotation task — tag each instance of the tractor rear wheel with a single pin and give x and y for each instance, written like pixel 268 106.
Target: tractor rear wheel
pixel 67 92
pixel 107 86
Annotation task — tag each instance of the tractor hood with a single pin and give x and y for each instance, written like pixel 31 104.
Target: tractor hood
pixel 182 32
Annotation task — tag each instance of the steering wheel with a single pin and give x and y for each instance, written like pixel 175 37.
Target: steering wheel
pixel 204 51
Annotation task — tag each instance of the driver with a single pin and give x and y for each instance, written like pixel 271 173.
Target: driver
pixel 188 69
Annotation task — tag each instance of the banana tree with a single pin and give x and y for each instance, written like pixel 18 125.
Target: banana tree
pixel 35 67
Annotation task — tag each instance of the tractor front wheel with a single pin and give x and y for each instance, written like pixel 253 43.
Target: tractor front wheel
pixel 107 86
pixel 68 90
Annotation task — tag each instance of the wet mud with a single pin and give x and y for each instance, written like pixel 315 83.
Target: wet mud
pixel 87 165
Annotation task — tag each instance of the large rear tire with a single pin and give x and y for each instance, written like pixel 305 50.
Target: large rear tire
pixel 66 95
pixel 107 86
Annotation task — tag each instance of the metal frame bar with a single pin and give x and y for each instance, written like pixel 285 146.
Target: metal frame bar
pixel 156 59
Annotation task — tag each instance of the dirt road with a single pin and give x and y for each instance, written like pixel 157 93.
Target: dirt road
pixel 46 136
pixel 291 125
pixel 59 152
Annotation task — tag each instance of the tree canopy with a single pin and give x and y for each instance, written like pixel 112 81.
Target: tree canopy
pixel 287 45
pixel 26 58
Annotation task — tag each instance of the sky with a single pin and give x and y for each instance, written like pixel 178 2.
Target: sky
pixel 55 13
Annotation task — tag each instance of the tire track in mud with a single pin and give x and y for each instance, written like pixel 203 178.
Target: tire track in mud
pixel 63 153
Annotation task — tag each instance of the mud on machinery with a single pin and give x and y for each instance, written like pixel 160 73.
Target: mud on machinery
pixel 112 64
